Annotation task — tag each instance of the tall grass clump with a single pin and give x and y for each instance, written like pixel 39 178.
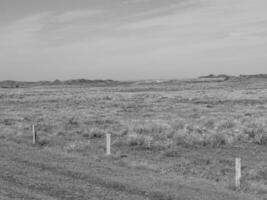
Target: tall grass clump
pixel 138 140
pixel 256 132
pixel 194 136
pixel 96 132
pixel 226 124
pixel 150 127
pixel 198 133
pixel 147 134
pixel 178 125
pixel 210 124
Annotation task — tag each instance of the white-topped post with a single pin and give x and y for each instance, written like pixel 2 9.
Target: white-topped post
pixel 108 142
pixel 237 172
pixel 34 136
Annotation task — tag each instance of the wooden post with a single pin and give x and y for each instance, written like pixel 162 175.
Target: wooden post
pixel 108 141
pixel 237 172
pixel 34 135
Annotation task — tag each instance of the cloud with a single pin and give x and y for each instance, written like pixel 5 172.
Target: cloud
pixel 208 21
pixel 51 28
pixel 75 15
pixel 34 36
pixel 19 38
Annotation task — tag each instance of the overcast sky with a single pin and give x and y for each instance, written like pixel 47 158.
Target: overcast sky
pixel 131 39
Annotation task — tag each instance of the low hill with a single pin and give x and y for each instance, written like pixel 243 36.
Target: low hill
pixel 93 83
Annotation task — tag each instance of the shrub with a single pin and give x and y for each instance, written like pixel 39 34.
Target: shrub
pixel 44 142
pixel 96 133
pixel 133 139
pixel 72 122
pixel 149 127
pixel 189 137
pixel 180 137
pixel 261 139
pixel 257 133
pixel 253 129
pixel 226 124
pixel 140 140
pixel 77 146
pixel 197 138
pixel 178 125
pixel 217 140
pixel 210 124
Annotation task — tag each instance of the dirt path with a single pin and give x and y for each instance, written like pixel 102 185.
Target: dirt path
pixel 32 173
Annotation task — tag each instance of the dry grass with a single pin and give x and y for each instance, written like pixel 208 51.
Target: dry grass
pixel 159 119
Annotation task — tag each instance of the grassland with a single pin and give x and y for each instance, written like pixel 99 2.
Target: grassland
pixel 186 133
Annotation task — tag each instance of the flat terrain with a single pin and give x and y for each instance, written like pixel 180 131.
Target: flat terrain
pixel 170 140
pixel 29 173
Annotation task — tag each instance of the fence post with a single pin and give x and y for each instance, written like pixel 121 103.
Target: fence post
pixel 34 135
pixel 108 141
pixel 237 172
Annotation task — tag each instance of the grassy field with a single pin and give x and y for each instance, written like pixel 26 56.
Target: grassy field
pixel 170 140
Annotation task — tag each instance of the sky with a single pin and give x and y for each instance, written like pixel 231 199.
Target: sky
pixel 131 39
